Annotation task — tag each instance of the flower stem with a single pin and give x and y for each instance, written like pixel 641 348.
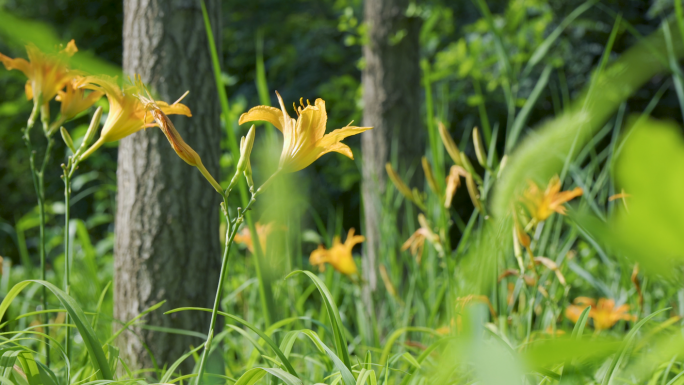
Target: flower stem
pixel 68 173
pixel 231 231
pixel 38 184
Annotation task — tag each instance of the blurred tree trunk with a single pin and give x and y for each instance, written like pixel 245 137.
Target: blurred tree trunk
pixel 167 235
pixel 391 97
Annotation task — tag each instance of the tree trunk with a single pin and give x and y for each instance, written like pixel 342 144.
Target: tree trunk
pixel 167 235
pixel 391 96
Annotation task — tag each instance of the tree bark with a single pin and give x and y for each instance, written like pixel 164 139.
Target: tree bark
pixel 167 234
pixel 391 96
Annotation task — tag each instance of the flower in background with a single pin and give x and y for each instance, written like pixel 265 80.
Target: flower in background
pixel 605 314
pixel 75 100
pixel 453 180
pixel 416 241
pixel 46 73
pixel 305 139
pixel 541 204
pixel 339 255
pixel 127 114
pixel 244 237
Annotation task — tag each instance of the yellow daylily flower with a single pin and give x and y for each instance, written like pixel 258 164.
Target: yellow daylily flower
pixel 245 236
pixel 127 115
pixel 46 73
pixel 604 314
pixel 305 139
pixel 339 255
pixel 75 100
pixel 541 204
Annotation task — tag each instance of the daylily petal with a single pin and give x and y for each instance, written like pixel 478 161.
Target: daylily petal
pixel 339 134
pixel 265 114
pixel 319 126
pixel 17 64
pixel 70 49
pixel 174 109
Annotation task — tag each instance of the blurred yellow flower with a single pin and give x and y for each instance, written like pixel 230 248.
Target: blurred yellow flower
pixel 75 100
pixel 46 73
pixel 416 242
pixel 453 181
pixel 244 237
pixel 604 314
pixel 127 115
pixel 541 204
pixel 339 255
pixel 305 139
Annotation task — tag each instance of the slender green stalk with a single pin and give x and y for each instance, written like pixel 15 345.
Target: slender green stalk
pixel 265 292
pixel 69 170
pixel 38 184
pixel 231 231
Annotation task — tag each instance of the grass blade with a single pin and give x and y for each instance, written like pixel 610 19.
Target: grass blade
pixel 333 314
pixel 255 374
pixel 90 340
pixel 250 326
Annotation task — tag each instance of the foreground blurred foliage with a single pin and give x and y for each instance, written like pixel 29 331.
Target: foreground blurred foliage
pixel 488 288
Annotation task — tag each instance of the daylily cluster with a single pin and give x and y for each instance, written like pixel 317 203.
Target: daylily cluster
pixel 604 313
pixel 49 76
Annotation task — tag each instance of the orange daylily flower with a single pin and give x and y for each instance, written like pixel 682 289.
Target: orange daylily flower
pixel 305 139
pixel 416 242
pixel 604 314
pixel 245 236
pixel 127 115
pixel 542 204
pixel 46 73
pixel 339 255
pixel 75 100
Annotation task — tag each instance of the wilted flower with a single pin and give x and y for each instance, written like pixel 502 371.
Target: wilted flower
pixel 181 148
pixel 127 115
pixel 542 204
pixel 46 73
pixel 339 255
pixel 605 314
pixel 453 180
pixel 416 241
pixel 244 237
pixel 305 139
pixel 75 100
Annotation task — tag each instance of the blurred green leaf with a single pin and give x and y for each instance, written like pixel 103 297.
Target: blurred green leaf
pixel 648 227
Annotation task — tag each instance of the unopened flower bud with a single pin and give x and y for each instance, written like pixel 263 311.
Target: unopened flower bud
pixel 432 183
pixel 246 144
pixel 92 129
pixel 449 144
pixel 67 139
pixel 398 183
pixel 474 193
pixel 479 148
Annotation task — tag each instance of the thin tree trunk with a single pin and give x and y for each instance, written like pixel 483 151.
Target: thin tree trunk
pixel 167 236
pixel 391 96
